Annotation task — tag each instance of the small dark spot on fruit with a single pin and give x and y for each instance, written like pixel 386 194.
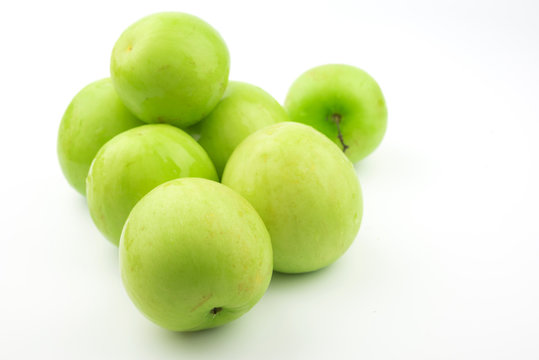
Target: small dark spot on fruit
pixel 215 310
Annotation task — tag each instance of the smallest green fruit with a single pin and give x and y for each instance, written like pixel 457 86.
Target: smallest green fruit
pixel 94 116
pixel 243 109
pixel 344 103
pixel 194 255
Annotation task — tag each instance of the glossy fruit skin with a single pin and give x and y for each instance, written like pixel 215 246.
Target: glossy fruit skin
pixel 243 109
pixel 134 162
pixel 194 255
pixel 170 68
pixel 94 116
pixel 344 94
pixel 305 190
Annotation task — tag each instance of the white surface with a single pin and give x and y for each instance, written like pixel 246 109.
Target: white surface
pixel 446 265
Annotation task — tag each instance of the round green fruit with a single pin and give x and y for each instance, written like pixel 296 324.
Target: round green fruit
pixel 94 116
pixel 170 68
pixel 134 162
pixel 304 188
pixel 243 109
pixel 194 255
pixel 344 103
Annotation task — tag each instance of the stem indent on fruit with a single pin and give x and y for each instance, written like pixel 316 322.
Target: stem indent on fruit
pixel 336 118
pixel 215 310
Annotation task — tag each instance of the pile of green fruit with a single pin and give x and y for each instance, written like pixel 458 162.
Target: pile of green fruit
pixel 148 146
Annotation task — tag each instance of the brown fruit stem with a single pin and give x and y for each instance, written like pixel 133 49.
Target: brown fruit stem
pixel 336 118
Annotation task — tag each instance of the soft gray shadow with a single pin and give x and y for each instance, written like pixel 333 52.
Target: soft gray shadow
pixel 364 167
pixel 282 281
pixel 203 343
pixel 108 251
pixel 80 202
pixel 200 335
pixel 110 255
pixel 213 341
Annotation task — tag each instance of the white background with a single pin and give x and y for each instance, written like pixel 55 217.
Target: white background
pixel 446 264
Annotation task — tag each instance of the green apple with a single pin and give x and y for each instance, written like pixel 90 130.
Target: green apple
pixel 304 188
pixel 194 255
pixel 94 116
pixel 243 109
pixel 170 68
pixel 344 103
pixel 134 162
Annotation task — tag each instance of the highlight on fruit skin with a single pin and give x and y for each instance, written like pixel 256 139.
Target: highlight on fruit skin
pixel 304 188
pixel 94 116
pixel 194 255
pixel 170 67
pixel 134 162
pixel 344 103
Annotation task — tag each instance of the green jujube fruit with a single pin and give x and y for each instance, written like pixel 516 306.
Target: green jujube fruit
pixel 243 109
pixel 344 103
pixel 170 68
pixel 94 116
pixel 194 255
pixel 304 188
pixel 134 162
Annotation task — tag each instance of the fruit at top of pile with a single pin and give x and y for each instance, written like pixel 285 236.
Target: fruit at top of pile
pixel 304 188
pixel 343 102
pixel 94 116
pixel 134 162
pixel 194 255
pixel 170 68
pixel 243 109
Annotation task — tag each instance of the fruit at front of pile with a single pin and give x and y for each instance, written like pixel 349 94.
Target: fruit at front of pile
pixel 344 103
pixel 134 162
pixel 94 116
pixel 170 68
pixel 194 255
pixel 243 109
pixel 305 190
